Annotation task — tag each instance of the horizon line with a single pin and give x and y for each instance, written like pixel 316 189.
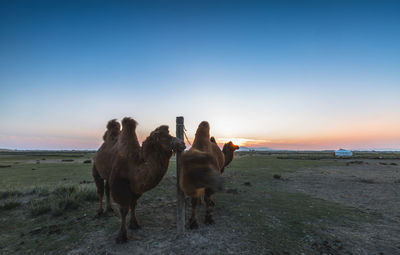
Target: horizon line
pixel 260 149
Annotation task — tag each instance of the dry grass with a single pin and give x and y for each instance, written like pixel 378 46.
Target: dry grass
pixel 9 204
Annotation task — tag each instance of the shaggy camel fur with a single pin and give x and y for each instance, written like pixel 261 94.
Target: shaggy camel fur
pixel 105 155
pixel 200 173
pixel 130 178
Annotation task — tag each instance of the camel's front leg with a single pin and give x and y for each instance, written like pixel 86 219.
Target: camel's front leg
pixel 122 235
pixel 192 224
pixel 133 224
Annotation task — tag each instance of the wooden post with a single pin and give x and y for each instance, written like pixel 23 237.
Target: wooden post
pixel 180 196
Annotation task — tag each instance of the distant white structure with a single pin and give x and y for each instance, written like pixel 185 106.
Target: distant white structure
pixel 343 153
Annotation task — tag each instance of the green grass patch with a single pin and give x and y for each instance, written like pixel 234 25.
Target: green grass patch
pixel 61 200
pixel 22 177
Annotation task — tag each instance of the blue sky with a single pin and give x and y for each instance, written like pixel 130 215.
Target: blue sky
pixel 282 74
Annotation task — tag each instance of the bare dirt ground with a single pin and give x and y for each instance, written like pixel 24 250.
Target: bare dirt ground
pixel 161 238
pixel 370 185
pixel 158 233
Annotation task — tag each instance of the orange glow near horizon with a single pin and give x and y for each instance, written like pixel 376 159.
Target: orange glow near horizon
pixel 369 135
pixel 240 141
pixel 319 142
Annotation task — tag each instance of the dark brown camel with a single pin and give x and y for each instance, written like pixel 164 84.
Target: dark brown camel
pixel 107 152
pixel 105 155
pixel 130 178
pixel 200 173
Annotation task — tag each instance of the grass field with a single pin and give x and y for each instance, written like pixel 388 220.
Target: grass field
pixel 48 205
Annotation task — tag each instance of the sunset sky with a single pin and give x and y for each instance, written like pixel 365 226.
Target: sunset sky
pixel 302 75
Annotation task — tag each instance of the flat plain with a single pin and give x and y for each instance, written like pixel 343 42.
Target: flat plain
pixel 273 203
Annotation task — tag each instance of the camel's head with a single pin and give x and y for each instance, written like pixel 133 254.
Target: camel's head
pixel 163 140
pixel 178 145
pixel 229 147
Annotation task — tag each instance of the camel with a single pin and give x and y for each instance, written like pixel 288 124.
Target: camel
pixel 105 155
pixel 201 172
pixel 228 150
pixel 130 177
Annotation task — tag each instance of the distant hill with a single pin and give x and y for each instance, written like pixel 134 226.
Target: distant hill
pixel 5 149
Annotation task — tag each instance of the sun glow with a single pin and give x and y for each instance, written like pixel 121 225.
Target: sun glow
pixel 240 141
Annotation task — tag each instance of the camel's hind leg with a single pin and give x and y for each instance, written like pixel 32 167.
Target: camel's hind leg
pixel 133 224
pixel 192 224
pixel 100 189
pixel 108 199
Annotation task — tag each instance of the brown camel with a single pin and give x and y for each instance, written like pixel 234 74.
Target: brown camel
pixel 105 155
pixel 200 173
pixel 130 178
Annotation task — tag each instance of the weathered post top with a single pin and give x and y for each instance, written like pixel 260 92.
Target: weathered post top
pixel 180 196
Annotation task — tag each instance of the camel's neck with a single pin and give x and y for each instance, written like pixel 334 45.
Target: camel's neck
pixel 152 170
pixel 228 157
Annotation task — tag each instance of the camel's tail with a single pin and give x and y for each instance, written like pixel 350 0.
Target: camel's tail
pixel 113 130
pixel 199 172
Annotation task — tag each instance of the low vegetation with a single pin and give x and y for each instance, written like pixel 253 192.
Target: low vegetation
pixel 9 204
pixel 53 210
pixel 60 200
